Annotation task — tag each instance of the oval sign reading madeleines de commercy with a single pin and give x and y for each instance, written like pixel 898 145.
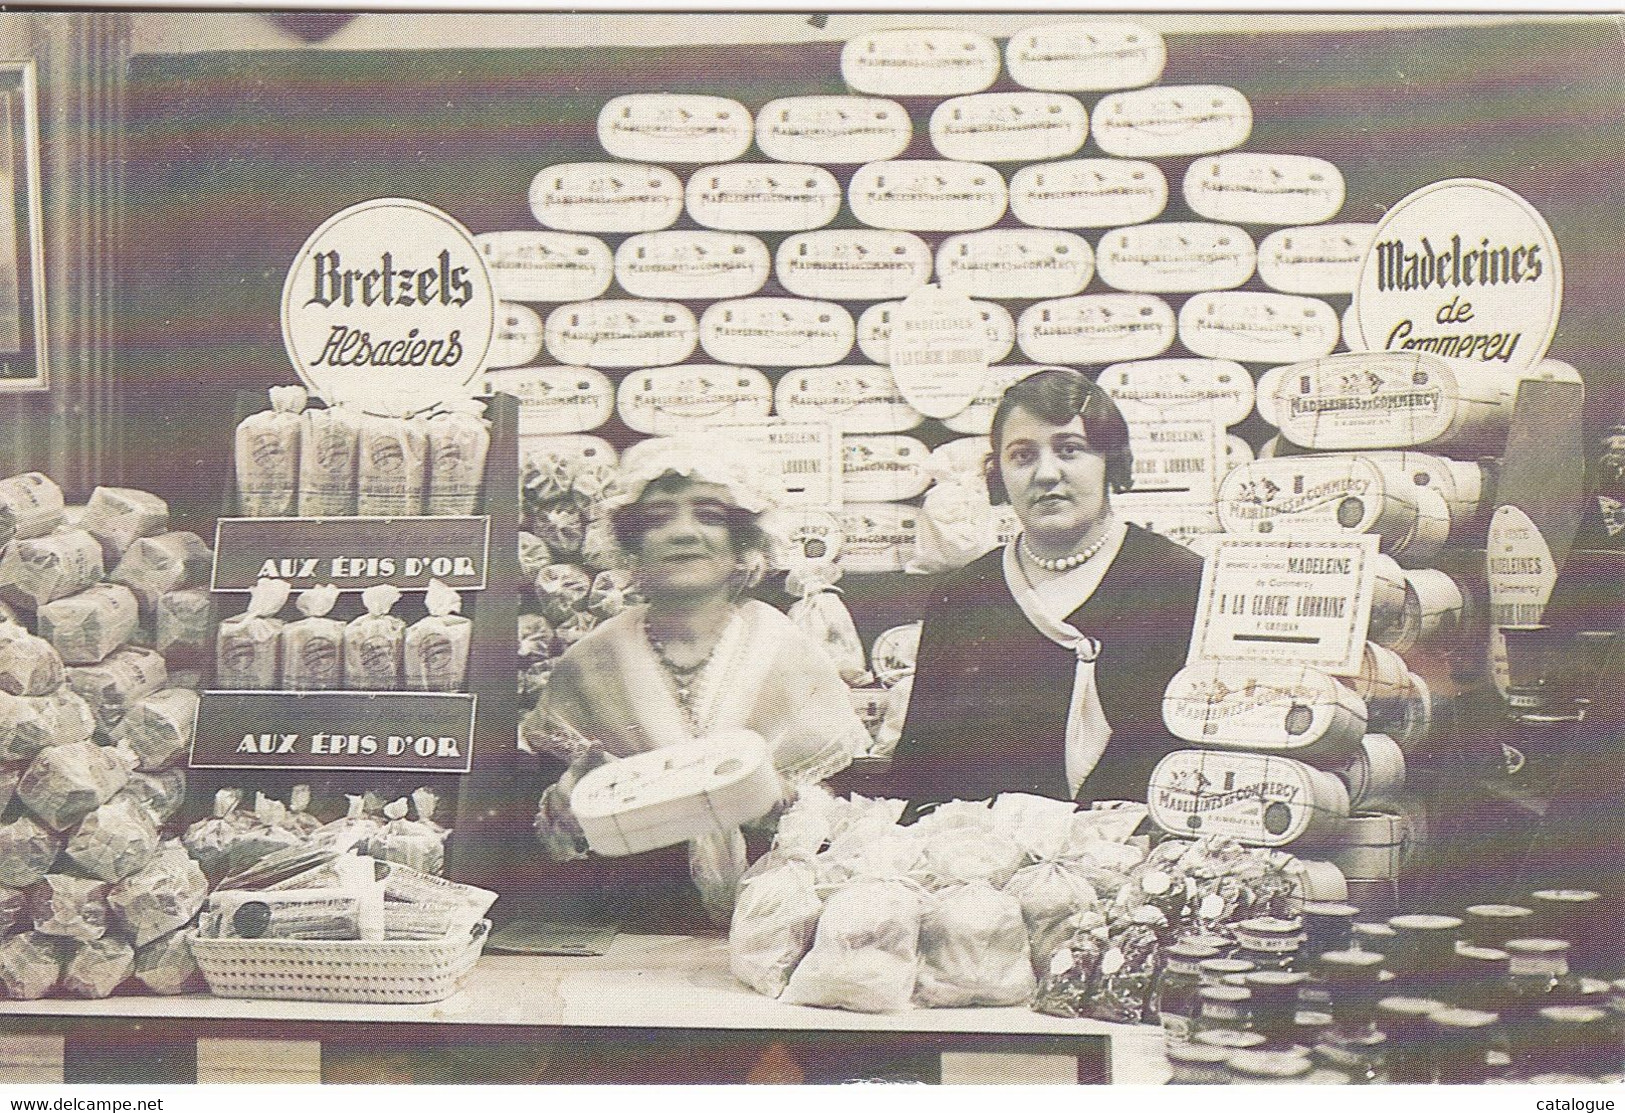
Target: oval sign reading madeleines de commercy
pixel 388 306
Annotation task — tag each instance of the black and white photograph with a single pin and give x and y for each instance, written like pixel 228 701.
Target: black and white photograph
pixel 707 548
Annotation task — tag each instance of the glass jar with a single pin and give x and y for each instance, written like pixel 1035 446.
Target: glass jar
pixel 1224 1006
pixel 1404 1021
pixel 1491 925
pixel 1362 1056
pixel 1353 985
pixel 1327 926
pixel 1461 1041
pixel 1269 942
pixel 1275 1004
pixel 1257 1068
pixel 1424 951
pixel 1198 1064
pixel 1225 971
pixel 1565 1039
pixel 1478 979
pixel 1174 997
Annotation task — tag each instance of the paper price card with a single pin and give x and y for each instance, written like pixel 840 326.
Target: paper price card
pixel 1177 459
pixel 805 455
pixel 1304 602
pixel 1521 577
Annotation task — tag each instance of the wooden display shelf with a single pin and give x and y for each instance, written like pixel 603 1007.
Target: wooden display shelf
pixel 669 989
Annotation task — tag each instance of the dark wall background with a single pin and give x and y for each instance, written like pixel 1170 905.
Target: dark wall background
pixel 235 157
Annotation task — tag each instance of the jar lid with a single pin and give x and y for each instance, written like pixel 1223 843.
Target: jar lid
pixel 1422 922
pixel 1192 952
pixel 1560 1079
pixel 1230 1038
pixel 1567 896
pixel 1537 947
pixel 1232 994
pixel 1219 967
pixel 1351 965
pixel 1329 910
pixel 1373 930
pixel 1498 911
pixel 1276 979
pixel 1574 1014
pixel 1208 939
pixel 1274 927
pixel 1196 1054
pixel 1270 1064
pixel 1410 1006
pixel 1481 957
pixel 1463 1018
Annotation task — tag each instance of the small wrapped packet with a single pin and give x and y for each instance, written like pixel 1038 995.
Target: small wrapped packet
pixel 613 590
pixel 28 850
pixel 561 590
pixel 576 627
pixel 29 666
pixel 166 965
pixel 160 898
pixel 392 473
pixel 161 793
pixel 533 555
pixel 68 906
pixel 328 446
pixel 9 776
pixel 28 724
pixel 973 950
pixel 374 643
pixel 562 526
pixel 154 566
pixel 13 911
pixel 116 516
pixel 459 439
pixel 774 919
pixel 31 505
pixel 823 617
pixel 535 637
pixel 865 952
pixel 114 686
pixel 184 628
pixel 267 456
pixel 97 968
pixel 86 627
pixel 159 726
pixel 265 832
pixel 30 966
pixel 313 646
pixel 114 841
pixel 43 569
pixel 362 820
pixel 435 649
pixel 298 819
pixel 209 840
pixel 410 842
pixel 63 784
pixel 248 644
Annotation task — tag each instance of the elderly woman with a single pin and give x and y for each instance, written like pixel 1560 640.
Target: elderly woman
pixel 698 658
pixel 1042 665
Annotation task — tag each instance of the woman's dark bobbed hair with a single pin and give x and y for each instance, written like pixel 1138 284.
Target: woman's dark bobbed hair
pixel 1057 395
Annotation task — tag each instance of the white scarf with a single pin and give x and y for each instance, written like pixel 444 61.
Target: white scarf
pixel 1087 730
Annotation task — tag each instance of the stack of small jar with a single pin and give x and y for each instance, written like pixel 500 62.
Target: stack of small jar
pixel 1484 996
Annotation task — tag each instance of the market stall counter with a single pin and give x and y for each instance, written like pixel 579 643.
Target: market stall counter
pixel 677 985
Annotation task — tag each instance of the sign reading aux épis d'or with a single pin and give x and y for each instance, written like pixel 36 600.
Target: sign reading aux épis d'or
pixel 388 306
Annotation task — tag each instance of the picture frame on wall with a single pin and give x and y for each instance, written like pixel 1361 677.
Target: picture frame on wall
pixel 23 365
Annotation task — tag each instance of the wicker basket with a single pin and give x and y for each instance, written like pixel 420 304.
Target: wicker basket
pixel 394 971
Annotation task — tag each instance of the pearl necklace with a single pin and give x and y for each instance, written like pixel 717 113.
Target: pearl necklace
pixel 685 678
pixel 1066 563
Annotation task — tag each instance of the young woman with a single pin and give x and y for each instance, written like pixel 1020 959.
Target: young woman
pixel 697 658
pixel 1042 665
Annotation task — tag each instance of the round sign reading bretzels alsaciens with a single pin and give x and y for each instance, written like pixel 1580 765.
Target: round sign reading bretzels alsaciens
pixel 388 307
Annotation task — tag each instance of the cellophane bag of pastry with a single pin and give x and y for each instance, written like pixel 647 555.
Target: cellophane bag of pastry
pixel 973 949
pixel 28 724
pixel 209 840
pixel 63 784
pixel 158 727
pixel 576 627
pixel 313 646
pixel 1070 982
pixel 116 516
pixel 9 776
pixel 263 831
pixel 13 911
pixel 890 731
pixel 29 666
pixel 298 818
pixel 957 525
pixel 961 845
pixel 31 505
pixel 184 628
pixel 774 919
pixel 85 627
pixel 30 965
pixel 114 841
pixel 267 456
pixel 561 591
pixel 562 525
pixel 154 566
pixel 459 439
pixel 159 898
pixel 613 590
pixel 112 687
pixel 392 475
pixel 534 555
pixel 95 969
pixel 435 649
pixel 69 906
pixel 166 965
pixel 43 569
pixel 374 643
pixel 362 819
pixel 823 617
pixel 249 653
pixel 1129 967
pixel 161 793
pixel 865 954
pixel 411 842
pixel 329 449
pixel 1054 888
pixel 28 850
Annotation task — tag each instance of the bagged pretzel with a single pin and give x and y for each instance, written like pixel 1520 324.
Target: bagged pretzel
pixel 973 950
pixel 435 648
pixel 68 906
pixel 329 445
pixel 313 646
pixel 533 556
pixel 116 516
pixel 159 898
pixel 822 616
pixel 63 784
pixel 87 626
pixel 28 850
pixel 154 566
pixel 249 644
pixel 166 965
pixel 459 439
pixel 29 666
pixel 373 643
pixel 392 472
pixel 30 966
pixel 114 841
pixel 209 840
pixel 31 505
pixel 95 969
pixel 267 456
